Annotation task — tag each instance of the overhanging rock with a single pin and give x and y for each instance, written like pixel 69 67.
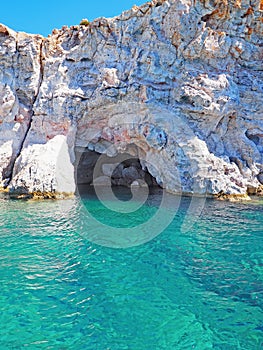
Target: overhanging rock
pixel 180 80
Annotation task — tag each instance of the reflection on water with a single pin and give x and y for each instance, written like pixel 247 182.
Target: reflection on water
pixel 200 288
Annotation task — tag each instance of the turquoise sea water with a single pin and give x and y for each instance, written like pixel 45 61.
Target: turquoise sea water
pixel 197 289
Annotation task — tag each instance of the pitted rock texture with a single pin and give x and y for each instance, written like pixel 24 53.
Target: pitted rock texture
pixel 177 83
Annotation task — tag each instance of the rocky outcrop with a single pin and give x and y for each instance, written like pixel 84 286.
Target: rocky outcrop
pixel 178 84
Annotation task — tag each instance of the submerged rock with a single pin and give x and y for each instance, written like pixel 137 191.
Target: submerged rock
pixel 179 84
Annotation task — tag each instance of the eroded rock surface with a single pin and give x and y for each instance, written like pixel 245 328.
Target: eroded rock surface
pixel 179 84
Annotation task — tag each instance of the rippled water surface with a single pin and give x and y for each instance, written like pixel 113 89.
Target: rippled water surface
pixel 200 288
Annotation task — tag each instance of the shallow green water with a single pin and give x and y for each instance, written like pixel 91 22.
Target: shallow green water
pixel 197 289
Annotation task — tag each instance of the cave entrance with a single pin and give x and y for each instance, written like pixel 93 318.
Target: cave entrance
pixel 123 170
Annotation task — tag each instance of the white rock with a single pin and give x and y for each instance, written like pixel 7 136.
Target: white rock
pixel 44 169
pixel 177 83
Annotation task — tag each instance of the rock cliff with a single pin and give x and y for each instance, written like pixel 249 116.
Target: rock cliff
pixel 176 83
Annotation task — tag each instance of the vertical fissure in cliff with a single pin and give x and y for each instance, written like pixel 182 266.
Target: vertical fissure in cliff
pixel 18 153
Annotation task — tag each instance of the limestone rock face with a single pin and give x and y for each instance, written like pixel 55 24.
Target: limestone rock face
pixel 176 83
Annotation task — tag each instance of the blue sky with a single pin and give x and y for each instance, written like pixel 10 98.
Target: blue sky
pixel 43 16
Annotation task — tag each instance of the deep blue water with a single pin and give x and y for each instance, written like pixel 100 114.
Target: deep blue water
pixel 196 285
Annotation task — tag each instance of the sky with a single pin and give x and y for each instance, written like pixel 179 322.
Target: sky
pixel 41 17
